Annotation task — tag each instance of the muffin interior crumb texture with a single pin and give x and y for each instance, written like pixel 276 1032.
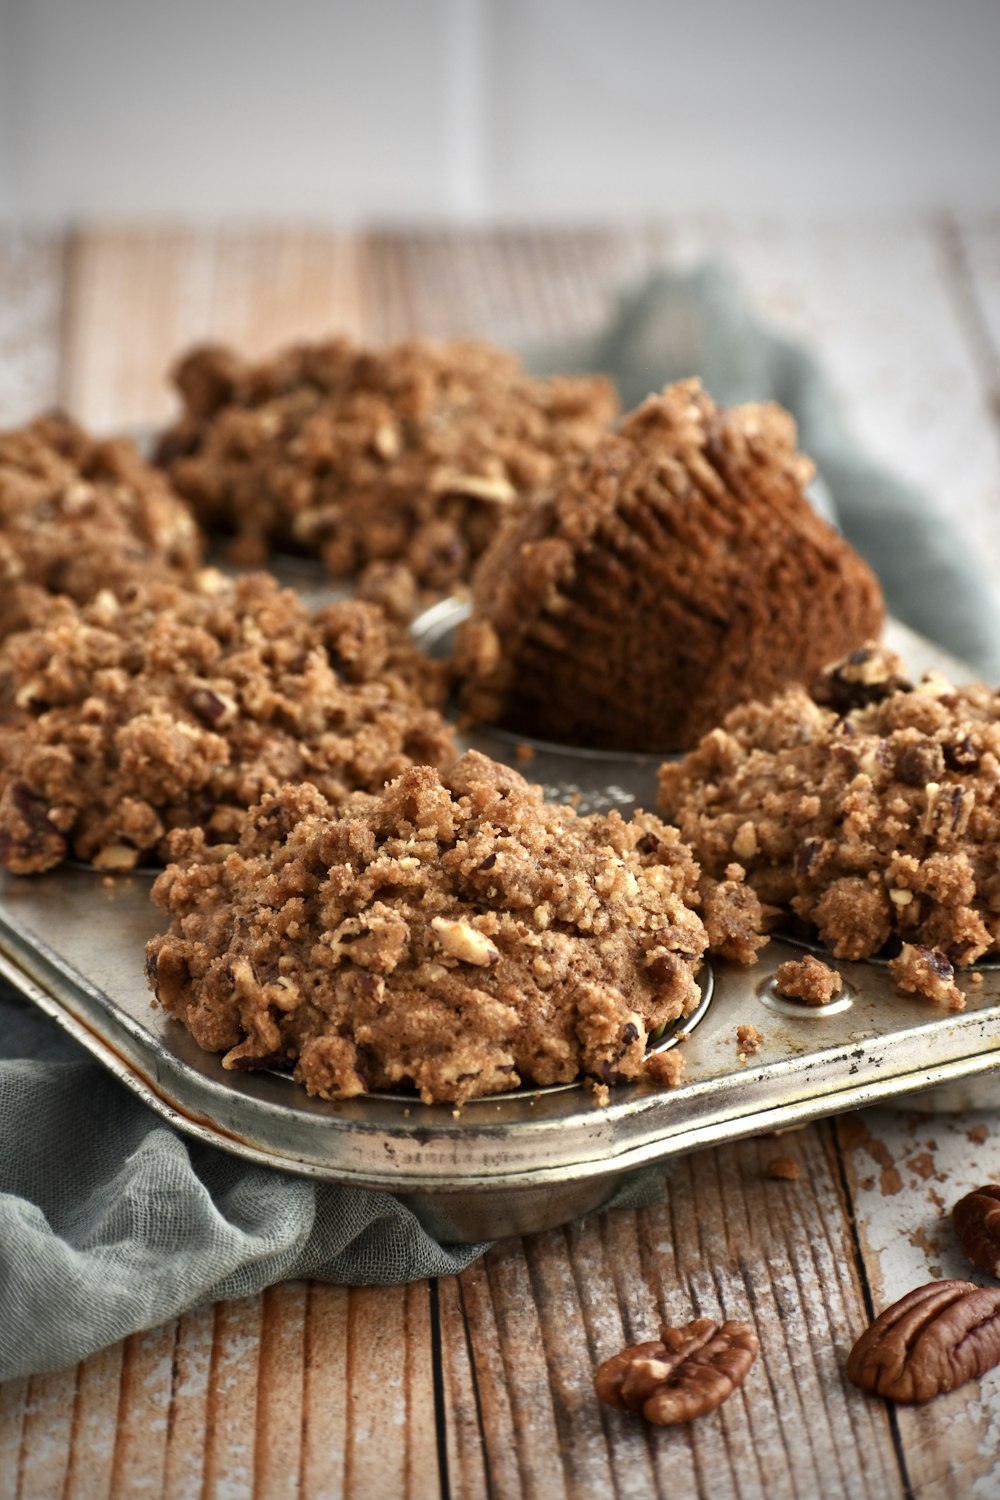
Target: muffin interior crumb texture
pixel 457 935
pixel 866 810
pixel 678 570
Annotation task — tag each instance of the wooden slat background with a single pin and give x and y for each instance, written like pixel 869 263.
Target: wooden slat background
pixel 479 1386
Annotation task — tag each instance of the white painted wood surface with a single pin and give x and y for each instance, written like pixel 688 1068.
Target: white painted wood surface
pixel 494 108
pixel 482 1384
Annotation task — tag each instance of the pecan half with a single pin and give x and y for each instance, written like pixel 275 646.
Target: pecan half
pixel 976 1218
pixel 687 1372
pixel 932 1340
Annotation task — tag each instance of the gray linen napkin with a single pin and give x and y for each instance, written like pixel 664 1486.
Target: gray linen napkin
pixel 109 1220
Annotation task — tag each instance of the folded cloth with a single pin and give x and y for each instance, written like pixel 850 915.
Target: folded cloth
pixel 110 1221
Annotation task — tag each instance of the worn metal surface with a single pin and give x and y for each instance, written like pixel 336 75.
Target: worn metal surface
pixel 508 1164
pixel 73 943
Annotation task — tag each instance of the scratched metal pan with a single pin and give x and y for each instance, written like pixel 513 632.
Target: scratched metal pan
pixel 514 1163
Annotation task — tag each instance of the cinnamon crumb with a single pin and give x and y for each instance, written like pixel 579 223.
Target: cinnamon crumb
pixel 808 980
pixel 665 1068
pixel 749 1040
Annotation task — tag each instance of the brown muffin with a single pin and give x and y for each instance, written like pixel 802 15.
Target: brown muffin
pixel 412 452
pixel 867 809
pixel 120 720
pixel 457 933
pixel 78 514
pixel 678 571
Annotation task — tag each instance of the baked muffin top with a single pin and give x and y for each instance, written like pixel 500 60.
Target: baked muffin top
pixel 456 933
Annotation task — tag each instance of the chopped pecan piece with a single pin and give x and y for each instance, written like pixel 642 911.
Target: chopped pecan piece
pixel 868 675
pixel 932 1340
pixel 463 941
pixel 976 1218
pixel 687 1372
pixel 927 971
pixel 920 763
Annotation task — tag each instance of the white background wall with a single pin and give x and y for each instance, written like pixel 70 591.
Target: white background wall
pixel 406 109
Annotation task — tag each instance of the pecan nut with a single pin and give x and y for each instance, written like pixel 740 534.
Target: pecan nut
pixel 687 1372
pixel 932 1340
pixel 976 1218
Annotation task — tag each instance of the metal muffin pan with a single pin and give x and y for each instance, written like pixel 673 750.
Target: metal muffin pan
pixel 515 1163
pixel 507 1165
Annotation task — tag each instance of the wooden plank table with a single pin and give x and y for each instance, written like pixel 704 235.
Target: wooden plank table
pixel 480 1385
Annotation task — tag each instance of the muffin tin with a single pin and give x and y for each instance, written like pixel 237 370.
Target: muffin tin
pixel 72 943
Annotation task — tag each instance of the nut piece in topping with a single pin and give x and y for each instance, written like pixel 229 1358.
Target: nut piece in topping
pixel 461 940
pixel 689 1371
pixel 976 1218
pixel 926 971
pixel 809 980
pixel 866 675
pixel 932 1340
pixel 784 1169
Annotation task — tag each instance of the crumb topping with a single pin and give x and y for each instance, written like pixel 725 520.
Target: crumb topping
pixel 809 980
pixel 78 515
pixel 414 452
pixel 457 934
pixel 180 707
pixel 867 809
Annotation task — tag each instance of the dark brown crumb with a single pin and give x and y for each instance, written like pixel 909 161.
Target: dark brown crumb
pixel 749 1040
pixel 666 1068
pixel 926 971
pixel 734 917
